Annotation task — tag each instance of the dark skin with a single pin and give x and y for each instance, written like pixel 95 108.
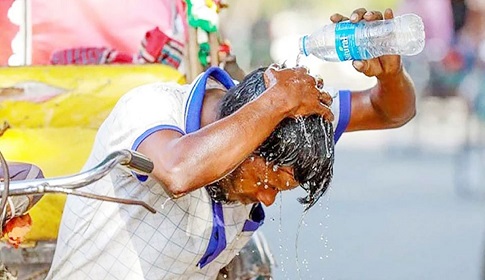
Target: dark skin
pixel 290 93
pixel 389 104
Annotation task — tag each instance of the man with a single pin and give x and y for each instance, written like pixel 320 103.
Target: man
pixel 216 156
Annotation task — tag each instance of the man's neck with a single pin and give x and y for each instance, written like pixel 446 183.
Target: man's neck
pixel 218 191
pixel 210 107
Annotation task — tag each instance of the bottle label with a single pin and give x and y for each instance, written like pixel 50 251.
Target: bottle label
pixel 345 44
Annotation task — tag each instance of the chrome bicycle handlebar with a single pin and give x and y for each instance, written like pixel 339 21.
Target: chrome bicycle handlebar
pixel 6 185
pixel 69 184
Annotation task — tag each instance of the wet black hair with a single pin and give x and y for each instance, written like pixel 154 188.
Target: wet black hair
pixel 305 143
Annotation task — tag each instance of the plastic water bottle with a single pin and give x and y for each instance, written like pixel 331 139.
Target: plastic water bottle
pixel 402 35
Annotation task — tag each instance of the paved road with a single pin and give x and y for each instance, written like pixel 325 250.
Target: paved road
pixel 392 213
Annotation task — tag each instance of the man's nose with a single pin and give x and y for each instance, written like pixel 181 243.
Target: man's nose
pixel 267 196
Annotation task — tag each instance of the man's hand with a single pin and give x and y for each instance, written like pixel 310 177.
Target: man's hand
pixel 391 102
pixel 302 93
pixel 380 67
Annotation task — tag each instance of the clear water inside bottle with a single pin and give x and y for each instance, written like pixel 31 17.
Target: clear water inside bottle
pixel 402 36
pixel 320 44
pixel 374 38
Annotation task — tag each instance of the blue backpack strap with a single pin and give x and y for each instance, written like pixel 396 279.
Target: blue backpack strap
pixel 217 242
pixel 344 116
pixel 256 218
pixel 198 92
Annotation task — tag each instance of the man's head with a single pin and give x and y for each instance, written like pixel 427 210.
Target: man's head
pixel 302 148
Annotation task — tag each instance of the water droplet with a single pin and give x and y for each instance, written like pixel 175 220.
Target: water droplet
pixel 297 257
pixel 165 202
pixel 258 183
pixel 298 58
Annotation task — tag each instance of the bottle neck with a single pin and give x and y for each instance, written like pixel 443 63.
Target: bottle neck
pixel 303 47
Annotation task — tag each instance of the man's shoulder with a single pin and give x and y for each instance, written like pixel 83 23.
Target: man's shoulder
pixel 159 87
pixel 159 93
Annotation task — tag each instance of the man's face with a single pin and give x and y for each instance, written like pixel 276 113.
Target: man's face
pixel 255 180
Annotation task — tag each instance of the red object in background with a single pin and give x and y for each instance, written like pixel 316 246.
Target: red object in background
pixel 157 47
pixel 7 32
pixel 90 55
pixel 225 48
pixel 453 61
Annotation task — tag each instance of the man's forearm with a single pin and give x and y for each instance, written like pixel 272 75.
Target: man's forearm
pixel 206 155
pixel 394 98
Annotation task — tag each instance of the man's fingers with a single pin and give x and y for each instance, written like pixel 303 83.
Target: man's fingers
pixel 338 18
pixel 319 82
pixel 373 15
pixel 362 13
pixel 360 65
pixel 269 77
pixel 327 113
pixel 391 64
pixel 274 66
pixel 325 98
pixel 302 69
pixel 357 15
pixel 388 14
pixel 369 68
